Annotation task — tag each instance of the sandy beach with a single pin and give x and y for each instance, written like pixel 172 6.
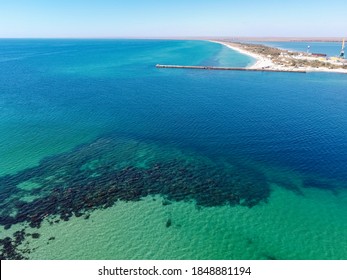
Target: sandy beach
pixel 263 62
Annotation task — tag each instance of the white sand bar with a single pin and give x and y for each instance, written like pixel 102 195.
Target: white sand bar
pixel 263 62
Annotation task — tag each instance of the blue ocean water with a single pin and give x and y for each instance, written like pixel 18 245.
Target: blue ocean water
pixel 67 106
pixel 58 89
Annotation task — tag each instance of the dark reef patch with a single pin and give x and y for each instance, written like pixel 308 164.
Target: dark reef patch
pixel 98 174
pixel 270 257
pixel 168 223
pixel 9 247
pixel 35 235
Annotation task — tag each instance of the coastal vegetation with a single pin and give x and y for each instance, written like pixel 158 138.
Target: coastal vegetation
pixel 286 58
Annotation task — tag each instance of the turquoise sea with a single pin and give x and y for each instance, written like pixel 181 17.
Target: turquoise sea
pixel 104 156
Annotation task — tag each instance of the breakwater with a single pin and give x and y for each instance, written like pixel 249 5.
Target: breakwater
pixel 227 68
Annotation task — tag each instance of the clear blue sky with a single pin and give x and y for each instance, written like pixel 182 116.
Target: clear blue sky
pixel 158 18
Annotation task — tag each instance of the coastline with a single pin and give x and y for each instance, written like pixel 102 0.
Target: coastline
pixel 260 61
pixel 263 62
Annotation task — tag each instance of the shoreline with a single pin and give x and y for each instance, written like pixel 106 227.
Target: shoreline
pixel 262 62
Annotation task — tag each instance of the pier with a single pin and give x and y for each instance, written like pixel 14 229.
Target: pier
pixel 227 68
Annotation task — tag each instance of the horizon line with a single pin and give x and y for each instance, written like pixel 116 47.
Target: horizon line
pixel 252 38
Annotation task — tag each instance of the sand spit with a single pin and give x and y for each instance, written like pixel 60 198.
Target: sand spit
pixel 286 60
